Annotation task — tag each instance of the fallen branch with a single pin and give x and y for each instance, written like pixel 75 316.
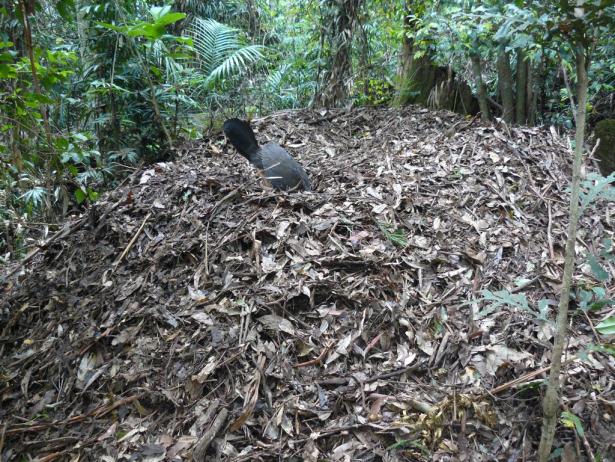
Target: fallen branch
pixel 98 412
pixel 314 361
pixel 132 241
pixel 200 450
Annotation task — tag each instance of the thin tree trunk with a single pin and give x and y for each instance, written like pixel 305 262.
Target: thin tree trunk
pixel 481 88
pixel 406 61
pixel 521 87
pixel 82 27
pixel 27 32
pixel 540 90
pixel 505 82
pixel 364 64
pixel 552 396
pixel 530 110
pixel 341 25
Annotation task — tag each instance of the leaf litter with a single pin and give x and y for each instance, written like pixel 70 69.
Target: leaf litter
pixel 195 314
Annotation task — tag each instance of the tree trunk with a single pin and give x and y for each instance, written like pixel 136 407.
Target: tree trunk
pixel 505 82
pixel 531 97
pixel 420 81
pixel 341 22
pixel 480 87
pixel 254 20
pixel 521 88
pixel 364 64
pixel 406 60
pixel 27 32
pixel 540 90
pixel 552 395
pixel 82 31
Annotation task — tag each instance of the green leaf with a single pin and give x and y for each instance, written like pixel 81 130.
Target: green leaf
pixel 170 18
pixel 92 195
pixel 61 143
pixel 80 196
pixel 106 25
pixel 7 71
pixel 599 272
pixel 396 236
pixel 66 9
pixel 607 327
pixel 572 421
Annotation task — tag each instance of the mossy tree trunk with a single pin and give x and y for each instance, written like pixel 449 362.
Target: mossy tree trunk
pixel 420 81
pixel 416 76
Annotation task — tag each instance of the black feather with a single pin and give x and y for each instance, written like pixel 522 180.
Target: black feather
pixel 241 136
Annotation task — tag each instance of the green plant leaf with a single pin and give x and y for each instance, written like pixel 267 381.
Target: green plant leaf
pixel 599 272
pixel 572 421
pixel 80 196
pixel 607 327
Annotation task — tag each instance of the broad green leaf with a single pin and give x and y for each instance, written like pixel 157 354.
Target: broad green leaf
pixel 572 421
pixel 607 327
pixel 80 196
pixel 599 272
pixel 170 18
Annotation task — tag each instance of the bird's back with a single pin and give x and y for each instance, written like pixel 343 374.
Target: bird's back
pixel 282 171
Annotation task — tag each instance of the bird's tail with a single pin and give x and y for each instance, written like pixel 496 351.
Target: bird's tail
pixel 241 136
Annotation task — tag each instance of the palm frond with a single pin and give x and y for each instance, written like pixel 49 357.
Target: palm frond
pixel 220 52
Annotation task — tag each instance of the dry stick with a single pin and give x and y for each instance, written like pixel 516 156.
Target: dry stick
pixel 60 234
pixel 200 450
pixel 132 241
pixel 318 360
pixel 100 411
pixel 2 437
pixel 51 457
pixel 214 212
pixel 588 448
pixel 549 236
pixel 518 381
pixel 591 325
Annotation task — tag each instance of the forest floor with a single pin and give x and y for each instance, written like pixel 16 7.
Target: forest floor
pixel 194 313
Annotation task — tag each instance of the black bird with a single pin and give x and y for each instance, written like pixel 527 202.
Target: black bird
pixel 282 171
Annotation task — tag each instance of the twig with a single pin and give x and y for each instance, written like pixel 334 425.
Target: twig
pixel 318 360
pixel 98 412
pixel 518 381
pixel 588 448
pixel 388 375
pixel 213 213
pixel 523 286
pixel 132 241
pixel 2 437
pixel 549 236
pixel 591 325
pixel 199 453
